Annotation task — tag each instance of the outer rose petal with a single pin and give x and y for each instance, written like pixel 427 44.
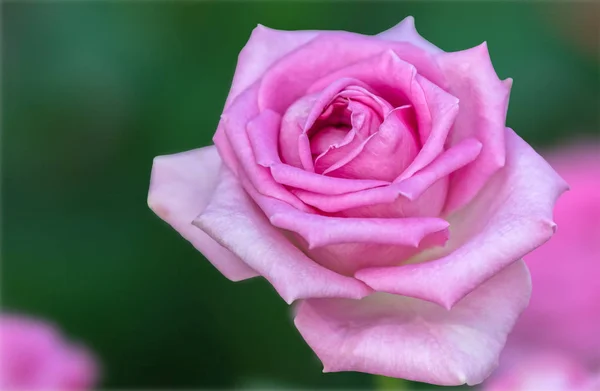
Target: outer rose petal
pixel 483 104
pixel 232 219
pixel 180 188
pixel 511 217
pixel 263 49
pixel 288 79
pixel 416 340
pixel 345 245
pixel 237 121
pixel 405 31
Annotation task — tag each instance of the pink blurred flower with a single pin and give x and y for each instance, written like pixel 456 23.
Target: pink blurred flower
pixel 374 179
pixel 34 356
pixel 555 346
pixel 543 371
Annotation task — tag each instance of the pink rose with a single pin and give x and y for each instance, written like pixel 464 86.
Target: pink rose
pixel 558 336
pixel 374 180
pixel 566 272
pixel 543 371
pixel 34 356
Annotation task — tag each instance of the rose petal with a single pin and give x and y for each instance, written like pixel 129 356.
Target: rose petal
pixel 412 339
pixel 443 109
pixel 180 188
pixel 483 104
pixel 262 133
pixel 321 231
pixel 236 223
pixel 235 121
pixel 398 82
pixel 451 160
pixel 300 179
pixel 295 147
pixel 262 50
pixel 329 52
pixel 511 217
pixel 345 245
pixel 383 155
pixel 405 31
pixel 412 188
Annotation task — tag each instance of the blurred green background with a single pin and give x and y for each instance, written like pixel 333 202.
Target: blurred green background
pixel 92 91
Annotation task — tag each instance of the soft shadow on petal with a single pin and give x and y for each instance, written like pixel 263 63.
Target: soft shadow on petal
pixel 413 339
pixel 405 31
pixel 511 217
pixel 321 231
pixel 310 181
pixel 233 220
pixel 180 187
pixel 482 115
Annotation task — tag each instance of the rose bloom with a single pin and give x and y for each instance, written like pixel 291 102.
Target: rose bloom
pixel 34 356
pixel 555 346
pixel 373 180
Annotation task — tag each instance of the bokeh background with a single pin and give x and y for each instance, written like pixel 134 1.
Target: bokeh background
pixel 92 91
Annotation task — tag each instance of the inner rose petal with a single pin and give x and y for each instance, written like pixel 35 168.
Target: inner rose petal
pixel 349 132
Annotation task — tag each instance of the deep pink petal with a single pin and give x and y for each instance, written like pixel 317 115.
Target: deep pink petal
pixel 405 31
pixel 408 338
pixel 180 188
pixel 398 82
pixel 232 219
pixel 510 218
pixel 300 117
pixel 383 155
pixel 483 105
